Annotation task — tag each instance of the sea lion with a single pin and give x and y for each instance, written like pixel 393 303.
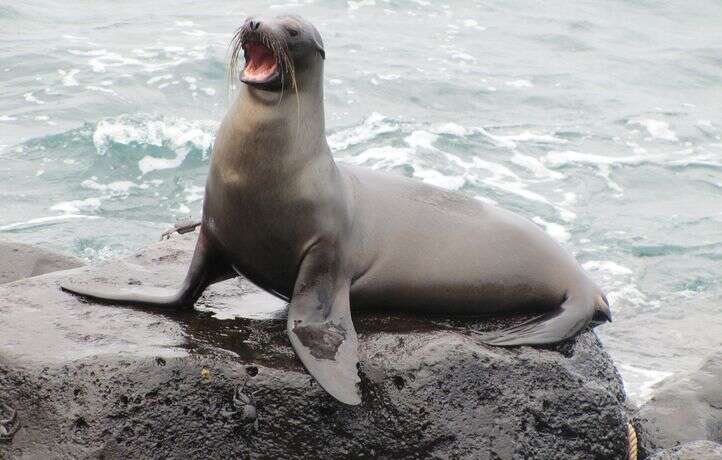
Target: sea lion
pixel 280 211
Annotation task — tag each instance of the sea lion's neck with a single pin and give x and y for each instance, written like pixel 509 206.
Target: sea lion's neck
pixel 273 134
pixel 279 119
pixel 261 110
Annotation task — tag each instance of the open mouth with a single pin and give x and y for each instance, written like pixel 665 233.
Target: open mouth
pixel 261 65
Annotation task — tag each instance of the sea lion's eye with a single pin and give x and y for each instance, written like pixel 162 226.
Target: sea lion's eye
pixel 292 32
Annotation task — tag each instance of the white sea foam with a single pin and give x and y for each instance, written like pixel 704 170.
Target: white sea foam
pixel 158 78
pixel 118 187
pixel 620 284
pixel 421 144
pixel 373 126
pixel 656 128
pixel 535 166
pixel 98 255
pixel 103 59
pixel 486 199
pixel 636 148
pixel 608 266
pixel 100 89
pixel 425 158
pixel 421 139
pixel 433 177
pixel 194 193
pixel 389 76
pixel 570 198
pixel 157 58
pixel 519 83
pixel 194 33
pixel 386 158
pixel 511 140
pixel 177 134
pixel 31 98
pixel 148 163
pixel 567 157
pixel 630 294
pixel 354 5
pixel 100 52
pixel 74 37
pixel 641 381
pixel 285 6
pixel 181 209
pixel 7 118
pixel 505 179
pixel 68 78
pixel 451 129
pixel 556 231
pixel 602 163
pixel 462 56
pixel 381 157
pixel 145 53
pixel 77 206
pixel 40 221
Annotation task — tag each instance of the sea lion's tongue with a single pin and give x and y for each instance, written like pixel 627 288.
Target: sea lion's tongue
pixel 260 64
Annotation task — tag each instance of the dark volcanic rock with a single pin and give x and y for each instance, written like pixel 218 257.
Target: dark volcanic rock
pixel 698 450
pixel 18 261
pixel 684 408
pixel 114 382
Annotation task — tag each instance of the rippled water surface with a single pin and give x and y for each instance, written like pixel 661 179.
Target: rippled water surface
pixel 600 121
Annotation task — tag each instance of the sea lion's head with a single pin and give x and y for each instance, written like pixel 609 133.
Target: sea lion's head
pixel 279 52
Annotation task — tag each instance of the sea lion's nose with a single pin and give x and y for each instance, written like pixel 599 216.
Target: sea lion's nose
pixel 254 25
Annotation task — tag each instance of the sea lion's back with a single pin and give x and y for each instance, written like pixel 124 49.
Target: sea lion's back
pixel 419 245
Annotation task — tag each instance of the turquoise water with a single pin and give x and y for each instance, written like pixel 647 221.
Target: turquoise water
pixel 598 120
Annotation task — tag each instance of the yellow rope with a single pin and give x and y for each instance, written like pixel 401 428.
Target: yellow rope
pixel 631 442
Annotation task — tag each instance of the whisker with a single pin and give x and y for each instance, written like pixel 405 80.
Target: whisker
pixel 279 49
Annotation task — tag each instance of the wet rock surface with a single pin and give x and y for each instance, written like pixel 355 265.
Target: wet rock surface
pixel 116 382
pixel 698 450
pixel 18 261
pixel 684 408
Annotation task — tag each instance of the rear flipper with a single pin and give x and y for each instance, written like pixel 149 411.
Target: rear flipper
pixel 207 267
pixel 574 314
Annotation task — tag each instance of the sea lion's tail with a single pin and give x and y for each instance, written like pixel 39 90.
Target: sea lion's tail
pixel 577 312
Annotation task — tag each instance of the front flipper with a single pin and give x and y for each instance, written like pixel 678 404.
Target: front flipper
pixel 206 267
pixel 320 328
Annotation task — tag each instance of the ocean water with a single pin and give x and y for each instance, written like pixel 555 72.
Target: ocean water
pixel 600 121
